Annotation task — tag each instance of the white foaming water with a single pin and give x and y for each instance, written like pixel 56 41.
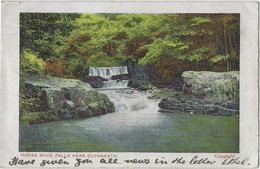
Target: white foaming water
pixel 115 84
pixel 132 101
pixel 107 73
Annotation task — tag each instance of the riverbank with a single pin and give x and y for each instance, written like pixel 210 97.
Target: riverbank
pixel 210 93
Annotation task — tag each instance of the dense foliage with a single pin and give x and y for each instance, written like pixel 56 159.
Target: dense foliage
pixel 31 64
pixel 70 43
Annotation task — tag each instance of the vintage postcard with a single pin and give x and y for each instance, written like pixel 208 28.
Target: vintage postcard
pixel 134 84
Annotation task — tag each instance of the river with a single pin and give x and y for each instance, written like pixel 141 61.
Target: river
pixel 135 126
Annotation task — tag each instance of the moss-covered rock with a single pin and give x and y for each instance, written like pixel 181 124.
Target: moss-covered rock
pixel 141 85
pixel 213 85
pixel 61 98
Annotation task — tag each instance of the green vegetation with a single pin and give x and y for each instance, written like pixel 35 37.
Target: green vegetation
pixel 66 45
pixel 33 108
pixel 70 43
pixel 37 117
pixel 31 64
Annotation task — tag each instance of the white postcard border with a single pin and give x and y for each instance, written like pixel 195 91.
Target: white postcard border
pixel 248 71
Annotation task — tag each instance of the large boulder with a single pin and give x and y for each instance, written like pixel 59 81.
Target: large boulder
pixel 66 98
pixel 213 85
pixel 121 77
pixel 95 81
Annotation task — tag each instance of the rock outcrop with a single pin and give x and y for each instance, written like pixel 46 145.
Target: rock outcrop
pixel 121 77
pixel 66 98
pixel 211 93
pixel 219 86
pixel 140 74
pixel 198 106
pixel 95 81
pixel 140 85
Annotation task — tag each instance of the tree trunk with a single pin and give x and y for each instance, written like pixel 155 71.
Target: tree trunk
pixel 230 49
pixel 227 66
pixel 226 48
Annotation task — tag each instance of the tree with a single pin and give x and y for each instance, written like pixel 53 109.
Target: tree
pixel 170 42
pixel 42 33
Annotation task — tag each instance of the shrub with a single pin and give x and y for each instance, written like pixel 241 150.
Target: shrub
pixel 31 64
pixel 56 67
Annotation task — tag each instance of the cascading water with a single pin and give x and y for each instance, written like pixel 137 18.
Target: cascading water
pixel 125 100
pixel 135 126
pixel 107 73
pixel 132 101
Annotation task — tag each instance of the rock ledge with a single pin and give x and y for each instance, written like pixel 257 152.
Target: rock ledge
pixel 64 98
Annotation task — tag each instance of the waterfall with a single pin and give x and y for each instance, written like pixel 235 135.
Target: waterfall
pixel 107 73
